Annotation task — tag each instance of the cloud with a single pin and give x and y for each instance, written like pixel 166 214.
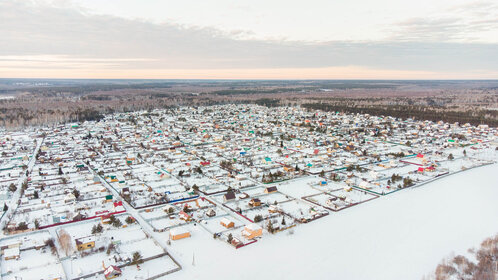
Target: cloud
pixel 34 35
pixel 470 22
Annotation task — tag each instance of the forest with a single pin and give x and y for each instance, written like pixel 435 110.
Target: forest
pixel 45 102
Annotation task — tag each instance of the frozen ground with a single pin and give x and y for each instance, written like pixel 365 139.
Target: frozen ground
pixel 401 236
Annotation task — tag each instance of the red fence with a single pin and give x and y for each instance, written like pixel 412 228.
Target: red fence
pixel 84 219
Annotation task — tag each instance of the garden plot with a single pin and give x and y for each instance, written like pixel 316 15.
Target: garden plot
pixel 273 197
pixel 382 187
pixel 401 169
pixel 165 185
pixel 163 217
pixel 140 194
pixel 213 225
pixel 199 180
pixel 41 213
pixel 147 247
pixel 149 269
pixel 460 164
pixel 213 188
pixel 237 236
pixel 341 198
pixel 154 213
pixel 194 204
pixel 112 246
pixel 301 211
pixel 251 213
pixel 264 199
pixel 254 191
pixel 44 204
pixel 33 264
pixel 166 223
pixel 200 240
pixel 205 184
pixel 124 234
pixel 299 187
pixel 237 183
pixel 30 257
pixel 378 187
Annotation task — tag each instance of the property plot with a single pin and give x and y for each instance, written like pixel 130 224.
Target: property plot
pixel 340 199
pixel 93 247
pixel 30 257
pixel 302 212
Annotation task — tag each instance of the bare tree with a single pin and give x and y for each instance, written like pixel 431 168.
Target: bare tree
pixel 65 242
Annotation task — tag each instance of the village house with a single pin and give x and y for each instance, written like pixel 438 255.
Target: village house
pixel 229 196
pixel 252 231
pixel 255 202
pixel 271 189
pixel 112 271
pixel 84 243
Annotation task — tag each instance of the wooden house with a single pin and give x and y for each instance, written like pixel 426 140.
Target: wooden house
pixel 184 216
pixel 255 202
pixel 252 231
pixel 210 212
pixel 271 189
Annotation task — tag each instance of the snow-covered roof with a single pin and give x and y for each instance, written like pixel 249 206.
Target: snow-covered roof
pixel 253 227
pixel 178 231
pixel 11 252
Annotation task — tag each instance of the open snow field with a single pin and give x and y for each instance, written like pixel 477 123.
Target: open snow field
pixel 400 236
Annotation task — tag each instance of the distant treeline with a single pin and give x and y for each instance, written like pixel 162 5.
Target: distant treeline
pixel 268 102
pixel 353 85
pixel 255 91
pixel 474 117
pixel 79 90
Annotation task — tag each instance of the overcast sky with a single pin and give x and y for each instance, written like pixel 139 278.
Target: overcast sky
pixel 271 39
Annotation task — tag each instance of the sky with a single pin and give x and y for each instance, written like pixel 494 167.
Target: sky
pixel 227 39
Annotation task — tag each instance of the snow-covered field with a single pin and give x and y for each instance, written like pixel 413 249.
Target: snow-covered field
pixel 400 236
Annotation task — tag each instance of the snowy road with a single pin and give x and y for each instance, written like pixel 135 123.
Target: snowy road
pixel 14 201
pixel 147 228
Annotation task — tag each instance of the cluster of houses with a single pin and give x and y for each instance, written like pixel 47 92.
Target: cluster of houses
pixel 60 188
pixel 16 151
pixel 235 172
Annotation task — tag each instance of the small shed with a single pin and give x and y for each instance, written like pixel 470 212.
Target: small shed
pixel 274 209
pixel 11 253
pixel 226 223
pixel 178 233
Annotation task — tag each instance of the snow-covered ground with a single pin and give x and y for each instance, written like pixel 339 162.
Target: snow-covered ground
pixel 400 236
